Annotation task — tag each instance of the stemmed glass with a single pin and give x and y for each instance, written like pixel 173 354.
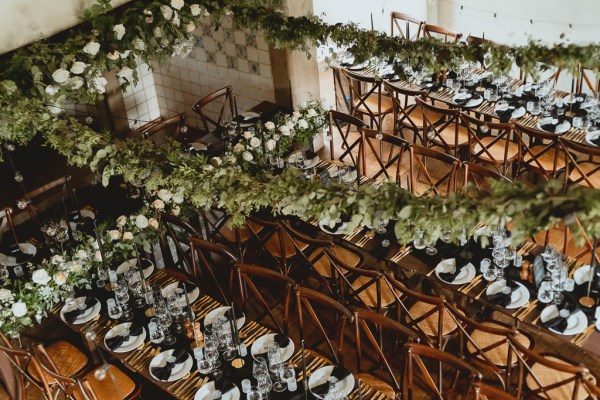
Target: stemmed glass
pixel 276 366
pixel 155 333
pixel 122 297
pixel 3 272
pixel 114 309
pixel 213 357
pixel 102 275
pixel 164 322
pixel 212 344
pixel 176 311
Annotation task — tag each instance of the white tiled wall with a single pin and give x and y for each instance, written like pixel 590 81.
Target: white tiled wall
pixel 140 100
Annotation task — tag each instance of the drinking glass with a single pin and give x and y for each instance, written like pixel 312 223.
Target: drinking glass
pixel 430 249
pixel 545 293
pixel 114 310
pixel 229 353
pixel 246 385
pixel 102 275
pixel 213 357
pixel 259 367
pixel 3 272
pixel 155 334
pixel 490 274
pixel 164 322
pixel 204 366
pixel 175 310
pixel 276 366
pixel 288 375
pixel 485 265
pixel 138 291
pixel 212 344
pixel 254 394
pixel 264 385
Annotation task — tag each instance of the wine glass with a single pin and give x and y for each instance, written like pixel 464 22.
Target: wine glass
pixel 4 272
pixel 164 322
pixel 264 385
pixel 259 367
pixel 155 333
pixel 430 249
pixel 276 366
pixel 114 309
pixel 213 357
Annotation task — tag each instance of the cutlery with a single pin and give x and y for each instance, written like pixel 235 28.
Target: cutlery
pixel 467 288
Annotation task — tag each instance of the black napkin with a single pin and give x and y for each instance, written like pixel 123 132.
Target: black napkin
pixel 549 127
pixel 164 373
pixel 505 115
pixel 502 299
pixel 224 386
pixel 339 372
pixel 20 257
pixel 596 140
pixel 451 276
pixel 71 316
pixel 115 342
pixel 281 339
pixel 559 323
pixel 462 102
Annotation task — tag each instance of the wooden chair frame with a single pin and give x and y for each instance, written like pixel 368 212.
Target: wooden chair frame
pixel 583 77
pixel 270 229
pixel 14 367
pixel 534 164
pixel 395 19
pixel 487 392
pixel 403 111
pixel 369 141
pixel 448 117
pixel 7 225
pixel 419 156
pixel 199 250
pixel 226 96
pixel 472 171
pixel 336 120
pixel 153 132
pixel 428 29
pixel 184 257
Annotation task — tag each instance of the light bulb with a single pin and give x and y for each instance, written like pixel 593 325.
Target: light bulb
pixel 89 120
pixel 18 177
pixel 10 147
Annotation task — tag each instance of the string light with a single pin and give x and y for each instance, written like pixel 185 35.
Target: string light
pixel 462 9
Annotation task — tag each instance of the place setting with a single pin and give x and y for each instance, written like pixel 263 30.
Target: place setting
pixel 509 110
pixel 125 266
pixel 80 310
pixel 171 365
pixel 455 271
pixel 125 337
pixel 331 382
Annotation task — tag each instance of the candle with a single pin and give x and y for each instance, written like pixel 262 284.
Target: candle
pixel 372 28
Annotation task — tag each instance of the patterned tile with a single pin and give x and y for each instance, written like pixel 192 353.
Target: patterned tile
pixel 210 58
pixel 250 40
pixel 219 46
pixel 207 30
pixel 232 62
pixel 241 51
pixel 198 41
pixel 228 35
pixel 254 68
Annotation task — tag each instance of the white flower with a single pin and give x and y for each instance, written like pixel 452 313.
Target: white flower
pixel 51 90
pixel 76 267
pixel 238 148
pixel 176 21
pixel 296 114
pixel 290 125
pixel 158 204
pixel 60 278
pixel 138 44
pixel 311 112
pixel 121 221
pixel 255 142
pixel 119 31
pixel 60 75
pixel 113 55
pixel 157 32
pixel 75 83
pixel 195 9
pixel 125 54
pixel 148 16
pixel 247 156
pixel 176 210
pixel 216 161
pixel 270 144
pixel 81 254
pixel 165 195
pixel 178 198
pixel 98 83
pixel 5 294
pixel 57 259
pixel 128 236
pixel 40 276
pixel 284 130
pixel 304 104
pixel 92 48
pixel 270 125
pixel 19 309
pixel 153 223
pixel 141 221
pixel 114 234
pixel 78 67
pixel 97 256
pixel 248 134
pixel 190 27
pixel 177 4
pixel 126 73
pixel 302 124
pixel 167 12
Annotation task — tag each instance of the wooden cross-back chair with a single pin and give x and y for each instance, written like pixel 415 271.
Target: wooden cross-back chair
pixel 344 126
pixel 552 77
pixel 305 299
pixel 7 226
pixel 443 127
pixel 436 31
pixel 541 153
pixel 480 176
pixel 381 157
pixel 398 19
pixel 549 376
pixel 223 99
pixel 367 98
pixel 590 78
pixel 175 233
pixel 170 128
pixel 424 362
pixel 206 257
pixel 435 170
pixel 407 115
pixel 379 330
pixel 492 143
pixel 254 281
pixel 487 392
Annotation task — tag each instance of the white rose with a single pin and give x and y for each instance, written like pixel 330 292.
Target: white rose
pixel 238 148
pixel 158 204
pixel 177 4
pixel 284 130
pixel 78 67
pixel 60 278
pixel 19 309
pixel 148 16
pixel 153 223
pixel 178 198
pixel 248 134
pixel 195 9
pixel 165 195
pixel 5 294
pixel 76 267
pixel 247 156
pixel 92 48
pixel 190 27
pixel 296 114
pixel 97 256
pixel 114 234
pixel 99 83
pixel 302 124
pixel 51 90
pixel 57 259
pixel 125 54
pixel 270 125
pixel 128 236
pixel 40 276
pixel 167 12
pixel 126 73
pixel 81 254
pixel 311 112
pixel 157 32
pixel 121 221
pixel 119 31
pixel 255 142
pixel 113 55
pixel 141 221
pixel 304 104
pixel 138 44
pixel 290 125
pixel 216 161
pixel 60 75
pixel 176 21
pixel 176 210
pixel 75 82
pixel 270 144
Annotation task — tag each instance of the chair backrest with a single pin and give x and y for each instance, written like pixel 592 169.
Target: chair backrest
pixel 590 78
pixel 580 170
pixel 172 127
pixel 479 176
pixel 206 256
pixel 540 153
pixel 487 392
pixel 6 225
pixel 410 23
pixel 175 234
pixel 66 384
pixel 407 115
pixel 271 240
pixel 343 126
pixel 431 170
pixel 441 32
pixel 362 90
pixel 441 126
pixel 381 154
pixel 478 40
pixel 14 370
pixel 378 331
pixel 224 103
pixel 306 299
pixel 255 281
pixel 424 363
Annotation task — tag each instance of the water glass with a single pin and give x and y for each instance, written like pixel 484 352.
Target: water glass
pixel 259 367
pixel 155 334
pixel 3 272
pixel 246 385
pixel 264 385
pixel 485 265
pixel 204 366
pixel 545 293
pixel 276 366
pixel 254 394
pixel 449 83
pixel 490 274
pixel 577 122
pixel 288 375
pixel 213 357
pixel 114 310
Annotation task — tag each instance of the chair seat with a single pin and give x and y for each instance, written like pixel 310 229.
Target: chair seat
pixel 429 325
pixel 323 266
pixel 370 105
pixel 495 152
pixel 369 294
pixel 117 386
pixel 417 116
pixel 228 233
pixel 588 170
pixel 380 386
pixel 274 247
pixel 67 358
pixel 497 355
pixel 450 139
pixel 548 376
pixel 545 162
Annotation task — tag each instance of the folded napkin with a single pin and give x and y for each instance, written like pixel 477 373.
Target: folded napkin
pixel 164 373
pixel 560 323
pixel 339 372
pixel 282 340
pixel 451 276
pixel 115 342
pixel 463 99
pixel 549 127
pixel 505 115
pixel 16 256
pixel 224 386
pixel 71 316
pixel 502 299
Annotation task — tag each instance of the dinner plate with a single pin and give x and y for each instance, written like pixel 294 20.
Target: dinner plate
pixel 248 118
pixel 311 163
pixel 89 314
pixel 26 248
pixel 124 267
pixel 560 128
pixel 262 343
pixel 576 322
pixel 324 225
pixel 358 67
pixel 321 376
pixel 470 103
pixel 517 113
pixel 592 135
pixel 582 274
pixel 466 274
pixel 207 390
pixel 212 316
pixel 518 298
pixel 84 214
pixel 170 290
pixel 487 231
pixel 178 370
pixel 131 344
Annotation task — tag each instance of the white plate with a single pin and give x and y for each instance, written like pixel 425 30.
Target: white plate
pixel 124 267
pixel 582 274
pixel 131 344
pixel 576 323
pixel 518 298
pixel 261 344
pixel 212 316
pixel 85 214
pixel 312 163
pixel 324 225
pixel 206 392
pixel 487 231
pixel 560 128
pixel 321 376
pixel 470 103
pixel 590 136
pixel 170 290
pixel 517 112
pixel 248 119
pixel 89 315
pixel 10 261
pixel 465 275
pixel 178 370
